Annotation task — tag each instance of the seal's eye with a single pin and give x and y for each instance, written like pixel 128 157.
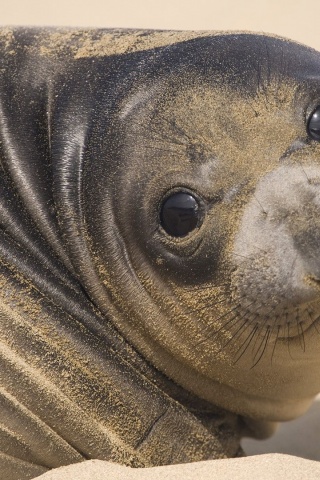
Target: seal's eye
pixel 180 214
pixel 313 127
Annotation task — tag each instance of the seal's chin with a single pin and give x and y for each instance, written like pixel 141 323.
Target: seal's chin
pixel 256 372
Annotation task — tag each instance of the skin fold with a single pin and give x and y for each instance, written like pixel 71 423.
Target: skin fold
pixel 121 341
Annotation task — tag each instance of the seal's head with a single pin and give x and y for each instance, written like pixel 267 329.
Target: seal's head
pixel 206 232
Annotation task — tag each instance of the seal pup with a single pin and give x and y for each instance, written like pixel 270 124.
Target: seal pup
pixel 159 243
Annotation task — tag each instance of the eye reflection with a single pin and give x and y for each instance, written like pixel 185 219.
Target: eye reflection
pixel 180 214
pixel 313 127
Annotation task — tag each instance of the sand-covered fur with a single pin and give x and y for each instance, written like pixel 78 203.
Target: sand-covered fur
pixel 121 340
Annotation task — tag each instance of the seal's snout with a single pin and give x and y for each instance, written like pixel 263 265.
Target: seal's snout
pixel 278 252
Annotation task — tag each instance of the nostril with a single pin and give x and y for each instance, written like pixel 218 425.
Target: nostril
pixel 314 181
pixel 312 281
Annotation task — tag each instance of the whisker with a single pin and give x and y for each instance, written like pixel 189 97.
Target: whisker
pixel 234 335
pixel 255 342
pixel 225 325
pixel 206 307
pixel 264 342
pixel 256 328
pixel 160 137
pixel 288 337
pixel 249 340
pixel 219 330
pixel 275 343
pixel 261 327
pixel 301 336
pixel 263 210
pixel 305 173
pixel 315 326
pixel 314 321
pixel 163 150
pixel 245 325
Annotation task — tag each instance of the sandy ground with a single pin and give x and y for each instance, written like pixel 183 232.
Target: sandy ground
pixel 294 19
pixel 262 467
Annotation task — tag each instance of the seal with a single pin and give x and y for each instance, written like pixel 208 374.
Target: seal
pixel 159 240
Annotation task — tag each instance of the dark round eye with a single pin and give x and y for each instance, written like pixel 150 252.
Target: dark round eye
pixel 313 127
pixel 180 214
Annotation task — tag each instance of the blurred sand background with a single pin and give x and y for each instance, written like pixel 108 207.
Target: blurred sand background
pixel 296 19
